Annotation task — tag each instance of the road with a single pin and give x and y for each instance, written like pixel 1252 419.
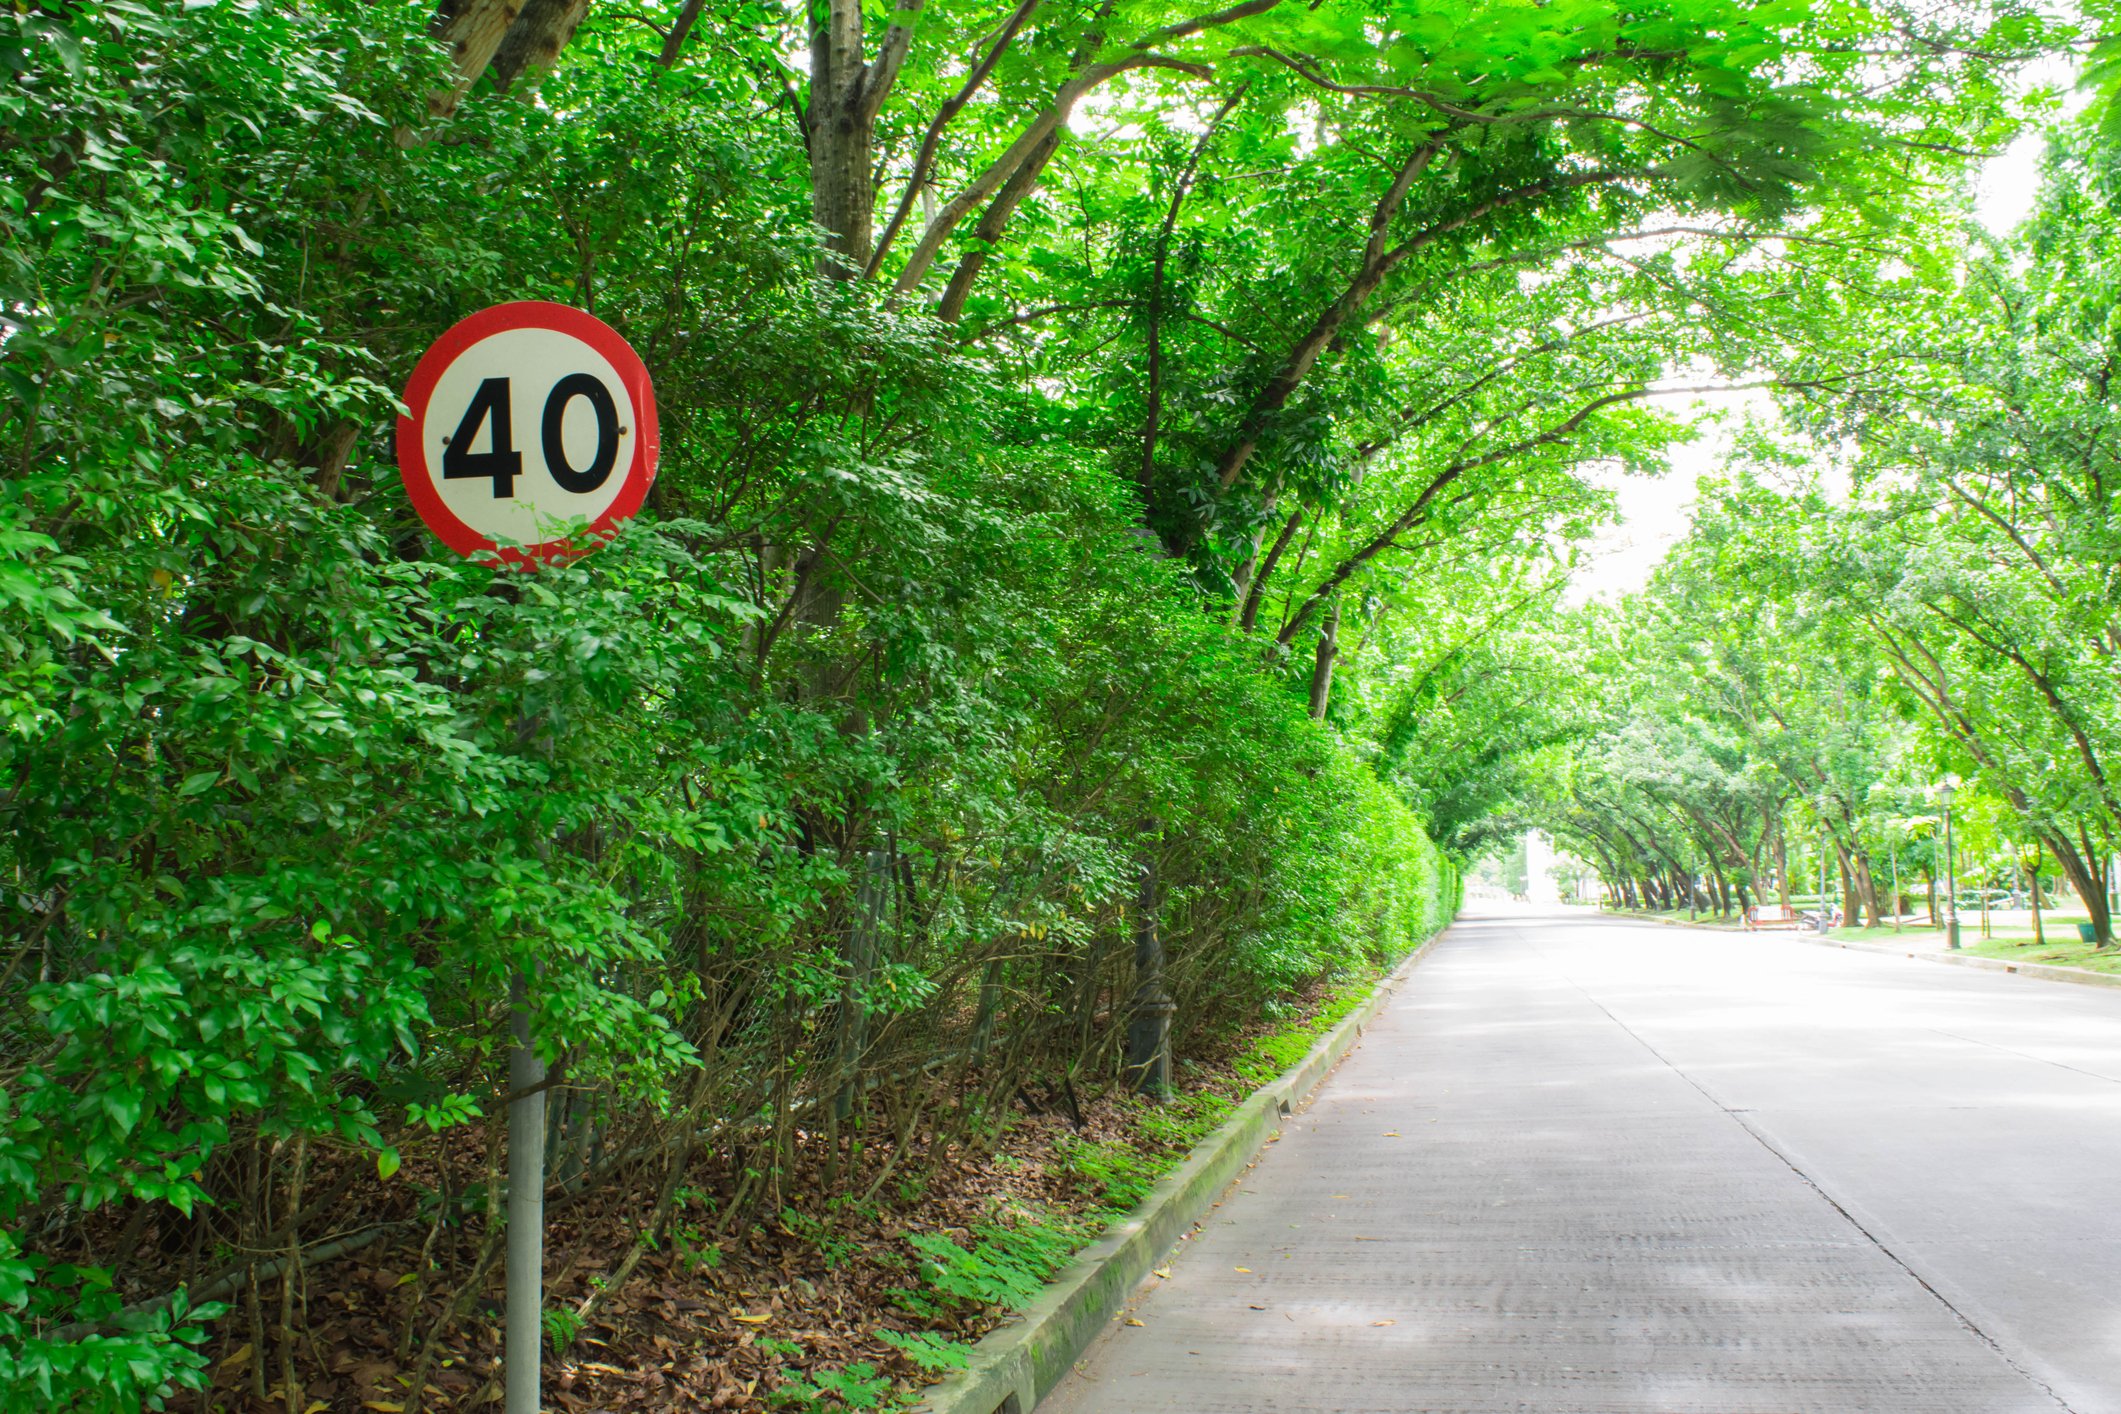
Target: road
pixel 1583 1165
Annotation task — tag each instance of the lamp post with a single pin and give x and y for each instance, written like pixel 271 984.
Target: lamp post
pixel 1893 839
pixel 1945 792
pixel 1825 924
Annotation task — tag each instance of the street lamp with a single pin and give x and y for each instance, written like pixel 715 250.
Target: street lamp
pixel 1945 792
pixel 1825 922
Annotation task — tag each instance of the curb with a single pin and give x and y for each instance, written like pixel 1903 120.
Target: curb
pixel 1018 1365
pixel 2046 972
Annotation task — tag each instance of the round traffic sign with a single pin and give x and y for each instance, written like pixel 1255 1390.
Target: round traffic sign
pixel 526 422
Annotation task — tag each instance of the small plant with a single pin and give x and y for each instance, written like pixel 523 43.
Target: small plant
pixel 914 1304
pixel 819 1234
pixel 858 1387
pixel 1181 1121
pixel 562 1324
pixel 694 1248
pixel 928 1350
pixel 1005 1266
pixel 1114 1176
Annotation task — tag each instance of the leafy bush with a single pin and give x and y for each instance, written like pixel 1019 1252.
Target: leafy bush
pixel 829 772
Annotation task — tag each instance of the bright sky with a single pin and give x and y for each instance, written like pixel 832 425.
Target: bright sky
pixel 1654 512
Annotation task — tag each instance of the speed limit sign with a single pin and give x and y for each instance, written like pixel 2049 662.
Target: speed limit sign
pixel 526 422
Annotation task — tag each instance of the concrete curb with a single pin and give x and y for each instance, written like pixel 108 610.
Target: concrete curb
pixel 1019 1364
pixel 2046 972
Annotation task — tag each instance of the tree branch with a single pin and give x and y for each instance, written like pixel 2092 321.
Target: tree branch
pixel 932 140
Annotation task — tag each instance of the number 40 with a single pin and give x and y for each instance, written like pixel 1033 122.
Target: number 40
pixel 502 463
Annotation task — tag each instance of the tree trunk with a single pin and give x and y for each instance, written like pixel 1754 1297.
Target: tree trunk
pixel 1782 865
pixel 1149 1015
pixel 1322 667
pixel 512 37
pixel 1866 890
pixel 2089 881
pixel 841 128
pixel 2032 878
pixel 473 30
pixel 533 43
pixel 992 223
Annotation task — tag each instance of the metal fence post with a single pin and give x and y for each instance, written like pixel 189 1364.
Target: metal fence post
pixel 861 964
pixel 1149 1020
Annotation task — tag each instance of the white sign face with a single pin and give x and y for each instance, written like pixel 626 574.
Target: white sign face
pixel 529 422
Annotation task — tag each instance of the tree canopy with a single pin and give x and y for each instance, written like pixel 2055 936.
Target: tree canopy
pixel 1100 441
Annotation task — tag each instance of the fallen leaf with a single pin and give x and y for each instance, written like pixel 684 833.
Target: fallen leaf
pixel 238 1358
pixel 1384 1323
pixel 754 1320
pixel 1246 1270
pixel 1391 1134
pixel 383 1406
pixel 1259 1308
pixel 1164 1272
pixel 1132 1322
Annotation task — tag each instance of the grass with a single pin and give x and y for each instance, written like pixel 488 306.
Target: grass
pixel 2062 949
pixel 1920 933
pixel 1708 918
pixel 2012 941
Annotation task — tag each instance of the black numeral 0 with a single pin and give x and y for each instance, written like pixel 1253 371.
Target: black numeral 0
pixel 502 463
pixel 581 385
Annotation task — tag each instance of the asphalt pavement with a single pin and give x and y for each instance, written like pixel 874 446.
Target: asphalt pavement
pixel 1583 1165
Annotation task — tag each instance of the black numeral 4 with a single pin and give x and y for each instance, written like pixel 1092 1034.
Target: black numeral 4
pixel 501 461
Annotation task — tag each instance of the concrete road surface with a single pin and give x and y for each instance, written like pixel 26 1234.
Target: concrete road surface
pixel 1585 1166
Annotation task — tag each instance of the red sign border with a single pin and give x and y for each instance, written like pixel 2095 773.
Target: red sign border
pixel 418 475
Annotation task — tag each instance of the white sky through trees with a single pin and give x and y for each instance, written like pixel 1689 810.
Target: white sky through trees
pixel 1655 511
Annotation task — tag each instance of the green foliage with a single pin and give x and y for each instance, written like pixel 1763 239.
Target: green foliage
pixel 856 1387
pixel 818 1234
pixel 1114 1175
pixel 561 1327
pixel 1908 576
pixel 1007 1265
pixel 931 1352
